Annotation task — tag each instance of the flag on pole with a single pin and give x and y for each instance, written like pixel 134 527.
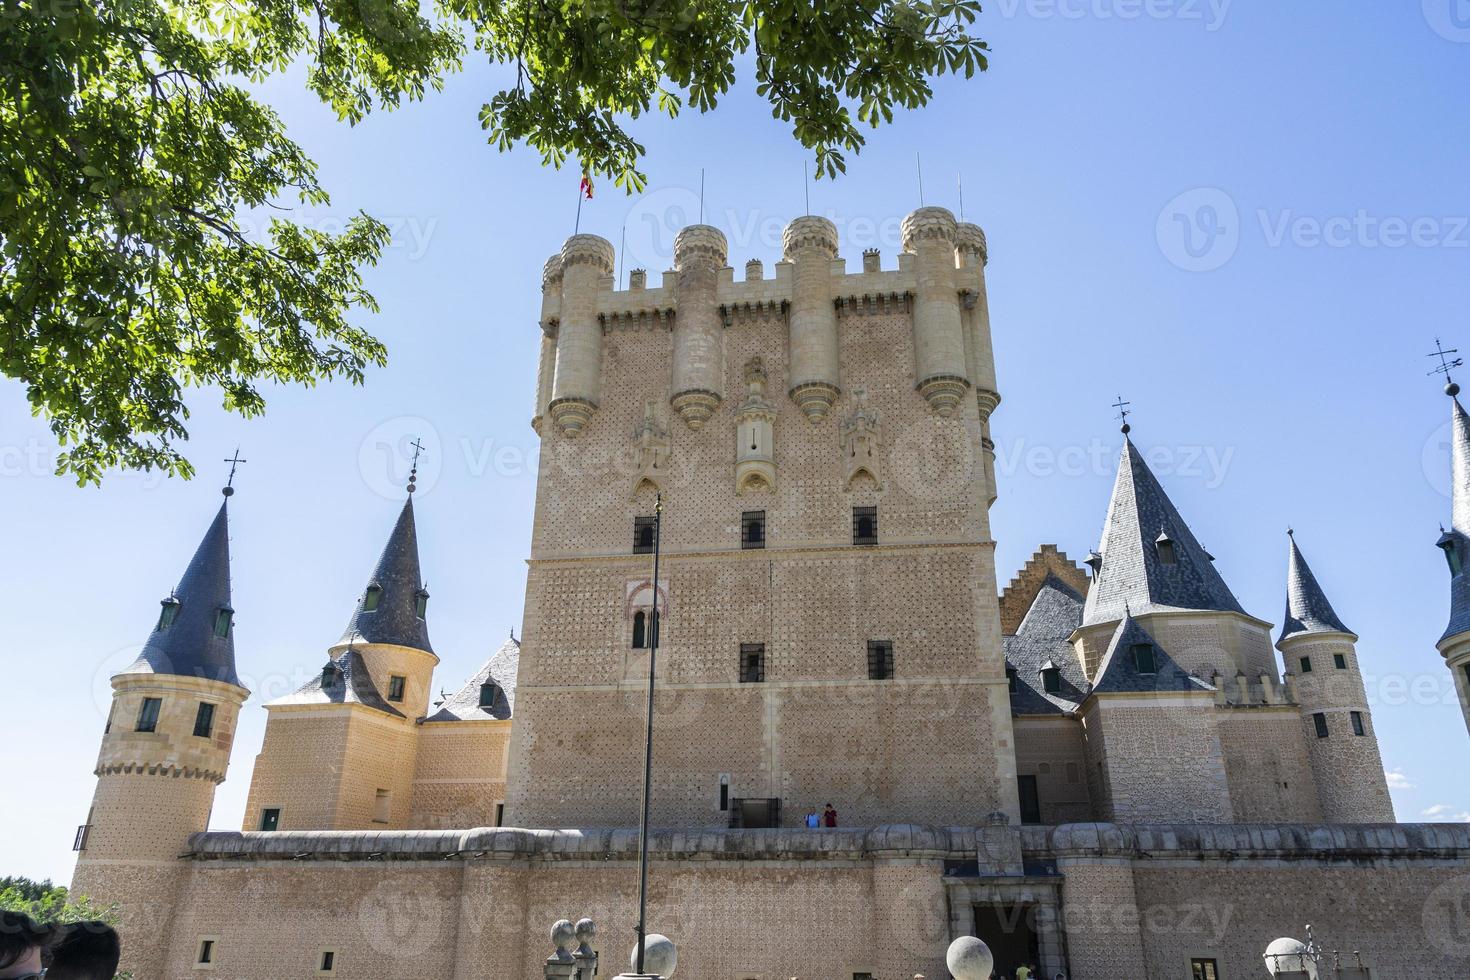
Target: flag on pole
pixel 586 187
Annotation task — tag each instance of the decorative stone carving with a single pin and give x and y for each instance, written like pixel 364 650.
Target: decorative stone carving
pixel 755 435
pixel 860 442
pixel 651 443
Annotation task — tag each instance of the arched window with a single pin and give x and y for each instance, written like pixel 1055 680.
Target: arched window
pixel 640 630
pixel 372 598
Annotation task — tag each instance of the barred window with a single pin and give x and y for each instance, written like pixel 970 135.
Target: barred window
pixel 753 529
pixel 752 663
pixel 643 535
pixel 880 660
pixel 865 525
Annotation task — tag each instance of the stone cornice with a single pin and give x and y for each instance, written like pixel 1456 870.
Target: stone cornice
pixel 159 769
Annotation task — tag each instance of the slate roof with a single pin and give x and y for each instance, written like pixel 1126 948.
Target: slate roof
pixel 350 684
pixel 1118 671
pixel 1133 576
pixel 1307 608
pixel 188 647
pixel 396 619
pixel 464 704
pixel 1455 539
pixel 1041 638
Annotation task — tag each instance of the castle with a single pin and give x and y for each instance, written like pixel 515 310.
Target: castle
pixel 1046 766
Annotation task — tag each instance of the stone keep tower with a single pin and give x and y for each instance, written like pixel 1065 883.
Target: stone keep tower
pixel 1322 668
pixel 165 749
pixel 1454 645
pixel 829 627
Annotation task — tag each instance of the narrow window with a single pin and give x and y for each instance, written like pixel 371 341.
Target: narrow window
pixel 752 663
pixel 643 535
pixel 421 604
pixel 396 684
pixel 382 806
pixel 1319 721
pixel 1204 970
pixel 222 619
pixel 753 529
pixel 111 710
pixel 1451 555
pixel 1051 680
pixel 1030 800
pixel 487 694
pixel 206 951
pixel 1339 661
pixel 1144 659
pixel 500 814
pixel 168 613
pixel 270 818
pixel 865 525
pixel 371 598
pixel 724 793
pixel 1167 553
pixel 148 715
pixel 79 842
pixel 880 660
pixel 1306 665
pixel 1011 679
pixel 328 962
pixel 640 630
pixel 1357 717
pixel 204 720
pixel 1466 669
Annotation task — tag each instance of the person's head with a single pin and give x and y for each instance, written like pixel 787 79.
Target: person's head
pixel 22 941
pixel 85 951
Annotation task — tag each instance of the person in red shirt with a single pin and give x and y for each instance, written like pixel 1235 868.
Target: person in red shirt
pixel 829 816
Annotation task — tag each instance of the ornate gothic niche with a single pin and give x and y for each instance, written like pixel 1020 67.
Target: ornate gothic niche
pixel 755 434
pixel 860 443
pixel 651 453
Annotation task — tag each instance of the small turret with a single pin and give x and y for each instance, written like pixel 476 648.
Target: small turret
pixel 939 345
pixel 810 245
pixel 550 317
pixel 576 389
pixel 699 364
pixel 755 434
pixel 1322 671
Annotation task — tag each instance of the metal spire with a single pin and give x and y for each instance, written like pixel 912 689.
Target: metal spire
pixel 1123 412
pixel 1446 365
pixel 234 461
pixel 413 473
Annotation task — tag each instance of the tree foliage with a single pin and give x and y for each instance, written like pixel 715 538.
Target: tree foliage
pixel 131 145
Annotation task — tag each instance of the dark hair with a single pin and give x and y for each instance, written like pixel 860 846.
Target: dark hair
pixel 19 934
pixel 85 951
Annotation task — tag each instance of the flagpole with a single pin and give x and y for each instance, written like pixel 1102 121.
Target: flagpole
pixel 919 169
pixel 577 228
pixel 960 180
pixel 622 247
pixel 658 515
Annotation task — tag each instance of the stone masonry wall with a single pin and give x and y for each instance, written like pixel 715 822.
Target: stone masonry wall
pixel 1052 750
pixel 1162 758
pixel 1270 776
pixel 459 774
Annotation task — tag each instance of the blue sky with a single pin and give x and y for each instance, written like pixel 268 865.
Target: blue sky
pixel 1250 219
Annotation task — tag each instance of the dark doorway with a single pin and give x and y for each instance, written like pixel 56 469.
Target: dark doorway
pixel 755 813
pixel 1010 932
pixel 1030 799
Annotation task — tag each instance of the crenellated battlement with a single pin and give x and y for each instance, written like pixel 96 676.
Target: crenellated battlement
pixel 939 282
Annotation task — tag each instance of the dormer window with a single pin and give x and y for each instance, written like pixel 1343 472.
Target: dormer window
pixel 1051 679
pixel 1145 660
pixel 372 598
pixel 421 603
pixel 1094 562
pixel 329 674
pixel 222 620
pixel 168 613
pixel 1011 679
pixel 1451 554
pixel 488 691
pixel 1168 555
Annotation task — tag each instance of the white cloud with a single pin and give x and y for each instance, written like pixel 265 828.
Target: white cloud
pixel 1436 811
pixel 1397 779
pixel 1446 814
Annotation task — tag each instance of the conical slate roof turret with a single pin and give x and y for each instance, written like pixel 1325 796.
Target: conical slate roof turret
pixel 194 635
pixel 1151 561
pixel 392 608
pixel 1307 608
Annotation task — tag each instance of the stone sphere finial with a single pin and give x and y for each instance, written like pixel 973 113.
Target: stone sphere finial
pixel 809 231
pixel 1287 955
pixel 700 247
pixel 928 224
pixel 969 959
pixel 660 957
pixel 1452 389
pixel 562 934
pixel 593 250
pixel 586 931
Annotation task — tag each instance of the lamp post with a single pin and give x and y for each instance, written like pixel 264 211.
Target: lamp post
pixel 638 964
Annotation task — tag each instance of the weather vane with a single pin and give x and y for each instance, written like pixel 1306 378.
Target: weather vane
pixel 234 461
pixel 1446 365
pixel 413 473
pixel 1123 413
